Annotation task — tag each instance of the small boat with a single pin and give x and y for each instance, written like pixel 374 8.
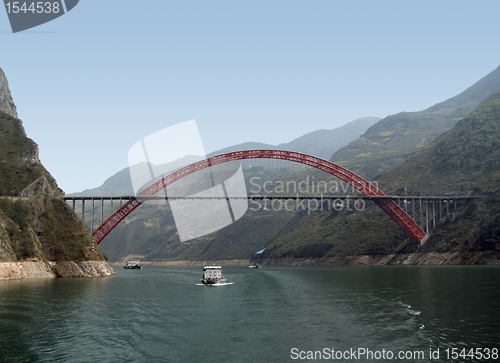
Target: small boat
pixel 133 265
pixel 255 265
pixel 212 276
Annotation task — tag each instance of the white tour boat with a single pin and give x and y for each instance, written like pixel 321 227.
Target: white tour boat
pixel 212 276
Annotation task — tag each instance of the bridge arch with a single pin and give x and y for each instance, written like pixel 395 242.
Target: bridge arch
pixel 398 215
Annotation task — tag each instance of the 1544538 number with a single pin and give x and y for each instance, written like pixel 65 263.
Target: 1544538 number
pixel 473 353
pixel 38 7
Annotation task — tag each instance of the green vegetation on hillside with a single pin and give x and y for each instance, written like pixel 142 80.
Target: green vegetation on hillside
pixel 477 229
pixel 63 235
pixel 15 223
pixel 17 170
pixel 43 229
pixel 151 232
pixel 35 228
pixel 331 233
pixel 465 158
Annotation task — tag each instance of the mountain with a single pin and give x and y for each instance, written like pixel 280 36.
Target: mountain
pixel 35 224
pixel 6 102
pixel 21 172
pixel 395 137
pixel 120 184
pixel 150 234
pixel 467 157
pixel 369 231
pixel 383 145
pixel 322 143
pixel 243 146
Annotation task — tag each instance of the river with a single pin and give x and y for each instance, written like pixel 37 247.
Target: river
pixel 272 314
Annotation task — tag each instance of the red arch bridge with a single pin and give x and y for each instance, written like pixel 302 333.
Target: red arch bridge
pixel 369 192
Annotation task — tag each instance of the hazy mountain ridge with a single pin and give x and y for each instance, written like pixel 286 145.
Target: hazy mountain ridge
pixel 395 137
pixel 322 143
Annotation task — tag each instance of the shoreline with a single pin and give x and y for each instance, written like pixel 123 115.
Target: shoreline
pixel 68 269
pixel 427 258
pixel 188 263
pixel 418 258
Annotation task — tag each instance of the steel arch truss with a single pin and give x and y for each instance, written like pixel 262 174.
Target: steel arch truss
pixel 402 219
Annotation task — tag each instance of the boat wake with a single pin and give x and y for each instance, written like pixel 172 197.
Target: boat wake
pixel 224 284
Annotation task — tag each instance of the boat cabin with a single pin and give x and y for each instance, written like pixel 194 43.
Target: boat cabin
pixel 212 273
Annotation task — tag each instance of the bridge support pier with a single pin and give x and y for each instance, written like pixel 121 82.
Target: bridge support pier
pixel 421 212
pixel 433 214
pixel 83 210
pixel 92 216
pixel 426 216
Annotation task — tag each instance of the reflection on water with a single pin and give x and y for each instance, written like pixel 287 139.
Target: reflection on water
pixel 159 314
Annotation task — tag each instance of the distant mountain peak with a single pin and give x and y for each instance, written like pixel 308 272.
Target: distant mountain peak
pixel 321 143
pixel 6 102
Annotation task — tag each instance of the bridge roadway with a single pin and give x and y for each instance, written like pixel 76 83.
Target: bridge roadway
pixel 429 208
pixel 279 196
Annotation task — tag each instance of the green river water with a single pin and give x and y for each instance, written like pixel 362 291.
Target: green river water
pixel 272 314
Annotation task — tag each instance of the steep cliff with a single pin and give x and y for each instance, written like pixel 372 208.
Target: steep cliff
pixel 36 226
pixel 6 102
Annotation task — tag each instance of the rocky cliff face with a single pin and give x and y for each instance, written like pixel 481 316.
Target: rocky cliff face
pixel 20 166
pixel 6 102
pixel 38 189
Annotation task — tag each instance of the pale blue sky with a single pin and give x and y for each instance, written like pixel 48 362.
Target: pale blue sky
pixel 91 83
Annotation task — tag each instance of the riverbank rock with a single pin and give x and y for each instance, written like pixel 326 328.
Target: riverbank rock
pixel 25 269
pixel 40 269
pixel 82 269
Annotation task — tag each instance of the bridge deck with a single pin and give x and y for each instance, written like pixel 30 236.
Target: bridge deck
pixel 268 196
